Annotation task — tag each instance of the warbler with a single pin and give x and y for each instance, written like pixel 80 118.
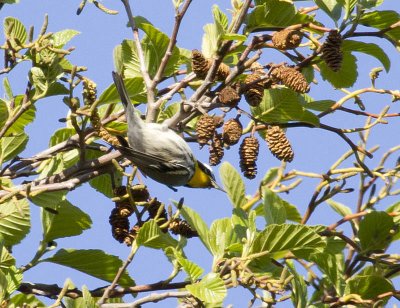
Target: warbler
pixel 159 152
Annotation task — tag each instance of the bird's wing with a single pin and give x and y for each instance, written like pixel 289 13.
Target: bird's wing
pixel 148 160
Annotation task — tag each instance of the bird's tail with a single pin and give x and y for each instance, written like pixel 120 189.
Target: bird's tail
pixel 123 93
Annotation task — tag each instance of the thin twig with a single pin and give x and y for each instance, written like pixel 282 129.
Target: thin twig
pixel 121 270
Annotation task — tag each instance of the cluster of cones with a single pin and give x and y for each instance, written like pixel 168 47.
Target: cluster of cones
pixel 252 87
pixel 128 202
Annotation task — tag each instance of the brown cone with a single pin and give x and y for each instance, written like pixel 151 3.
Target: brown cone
pixel 119 225
pixel 229 96
pixel 140 193
pixel 182 227
pixel 216 150
pixel 232 131
pixel 287 39
pixel 157 210
pixel 248 156
pixel 205 128
pixel 254 93
pixel 331 51
pixel 278 143
pixel 291 78
pixel 200 65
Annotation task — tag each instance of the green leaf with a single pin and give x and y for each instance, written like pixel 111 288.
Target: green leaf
pixel 333 267
pixel 211 289
pixel 192 269
pixel 130 59
pixel 349 6
pixel 21 299
pixel 339 208
pixel 369 4
pixel 27 117
pixel 379 19
pixel 7 89
pixel 3 113
pixel 369 49
pixel 233 184
pixel 93 262
pixel 39 80
pixel 234 37
pixel 61 135
pixel 382 20
pixel 69 221
pixel 211 39
pixel 277 240
pixel 154 46
pixel 283 105
pixel 346 76
pixel 3 287
pixel 292 213
pixel 321 105
pixel 7 260
pixel 14 278
pixel 274 13
pixel 195 220
pixel 299 287
pixel 86 301
pixel 14 221
pixel 150 235
pixel 62 37
pixel 375 231
pixel 56 88
pixel 221 236
pixel 220 17
pixel 14 29
pixel 330 7
pixel 368 286
pixel 117 56
pixel 274 209
pixel 134 86
pixel 12 145
pixel 47 199
pixel 104 183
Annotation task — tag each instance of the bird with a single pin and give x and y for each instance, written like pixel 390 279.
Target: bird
pixel 158 151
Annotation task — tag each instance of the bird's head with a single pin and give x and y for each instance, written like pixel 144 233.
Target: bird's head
pixel 203 177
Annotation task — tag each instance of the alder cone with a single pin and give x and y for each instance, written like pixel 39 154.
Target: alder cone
pixel 205 128
pixel 155 208
pixel 119 225
pixel 222 71
pixel 200 65
pixel 140 193
pixel 248 152
pixel 216 150
pixel 254 93
pixel 182 227
pixel 287 39
pixel 229 97
pixel 331 51
pixel 278 143
pixel 291 78
pixel 232 131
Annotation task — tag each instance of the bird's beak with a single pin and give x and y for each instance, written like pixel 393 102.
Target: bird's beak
pixel 215 185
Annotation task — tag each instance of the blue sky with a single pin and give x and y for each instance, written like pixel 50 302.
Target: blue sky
pixel 315 150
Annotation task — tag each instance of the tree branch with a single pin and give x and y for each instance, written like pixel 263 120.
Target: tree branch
pixel 52 290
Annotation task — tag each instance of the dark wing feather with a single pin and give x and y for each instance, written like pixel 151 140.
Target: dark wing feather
pixel 143 160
